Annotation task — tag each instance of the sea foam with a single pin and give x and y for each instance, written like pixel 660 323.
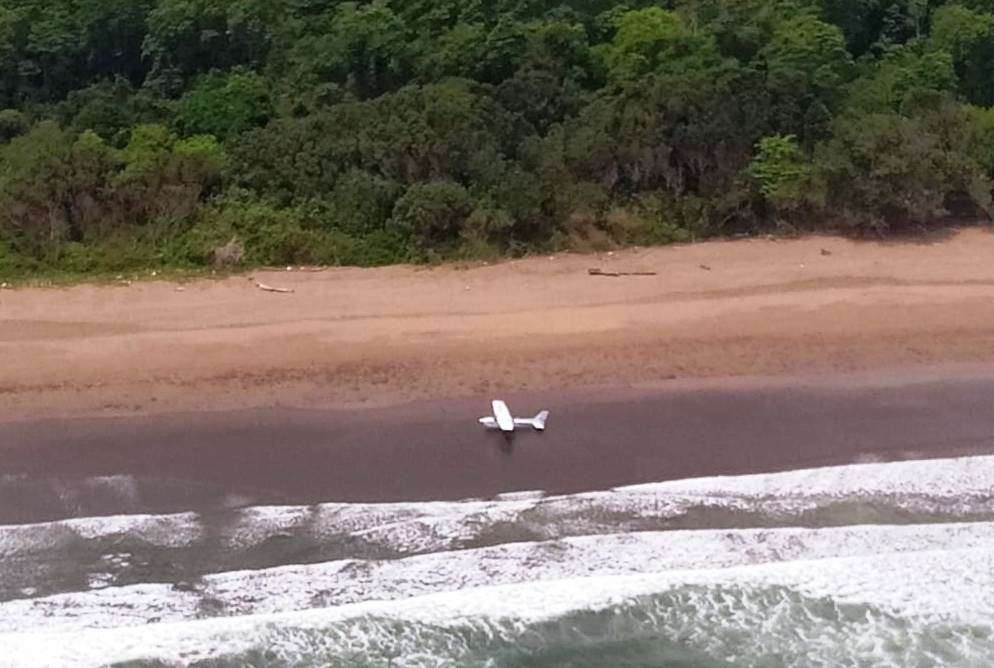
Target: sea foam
pixel 887 610
pixel 867 564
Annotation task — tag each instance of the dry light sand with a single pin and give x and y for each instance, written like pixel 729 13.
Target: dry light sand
pixel 375 337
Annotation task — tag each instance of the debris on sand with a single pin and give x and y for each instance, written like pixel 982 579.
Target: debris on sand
pixel 269 288
pixel 601 272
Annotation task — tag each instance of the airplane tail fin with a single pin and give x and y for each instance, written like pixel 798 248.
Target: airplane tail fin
pixel 539 420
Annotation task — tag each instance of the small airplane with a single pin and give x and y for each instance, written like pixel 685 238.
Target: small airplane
pixel 502 419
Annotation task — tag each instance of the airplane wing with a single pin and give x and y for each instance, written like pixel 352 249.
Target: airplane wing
pixel 503 416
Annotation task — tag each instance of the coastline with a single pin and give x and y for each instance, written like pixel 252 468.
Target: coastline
pixel 208 461
pixel 365 385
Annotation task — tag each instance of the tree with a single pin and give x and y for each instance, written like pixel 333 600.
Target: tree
pixel 981 136
pixel 361 48
pixel 287 161
pixel 51 47
pixel 164 177
pixel 806 63
pixel 9 57
pixel 900 76
pixel 553 76
pixel 188 37
pixel 54 188
pixel 364 130
pixel 806 54
pixel 33 187
pixel 12 124
pixel 653 40
pixel 456 52
pixel 784 175
pixel 443 131
pixel 433 213
pixel 968 37
pixel 111 108
pixel 361 203
pixel 114 31
pixel 225 105
pixel 886 169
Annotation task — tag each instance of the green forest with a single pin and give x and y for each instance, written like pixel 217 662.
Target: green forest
pixel 137 134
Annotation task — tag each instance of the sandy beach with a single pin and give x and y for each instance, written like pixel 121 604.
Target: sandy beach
pixel 348 338
pixel 363 385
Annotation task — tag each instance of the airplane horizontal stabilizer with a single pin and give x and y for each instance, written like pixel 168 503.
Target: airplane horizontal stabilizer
pixel 538 422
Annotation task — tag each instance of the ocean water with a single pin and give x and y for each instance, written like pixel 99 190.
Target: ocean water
pixel 887 564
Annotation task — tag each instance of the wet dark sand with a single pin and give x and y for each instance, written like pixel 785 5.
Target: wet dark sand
pixel 435 451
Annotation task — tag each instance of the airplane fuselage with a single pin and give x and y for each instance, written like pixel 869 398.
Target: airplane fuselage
pixel 505 422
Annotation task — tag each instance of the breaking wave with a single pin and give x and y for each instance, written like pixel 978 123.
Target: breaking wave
pixel 875 564
pixel 689 625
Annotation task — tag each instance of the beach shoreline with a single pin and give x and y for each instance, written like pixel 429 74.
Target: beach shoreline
pixel 434 450
pixel 366 385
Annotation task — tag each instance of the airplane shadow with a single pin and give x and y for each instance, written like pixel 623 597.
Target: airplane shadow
pixel 507 443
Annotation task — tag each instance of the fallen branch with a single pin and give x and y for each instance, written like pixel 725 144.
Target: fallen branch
pixel 269 288
pixel 601 272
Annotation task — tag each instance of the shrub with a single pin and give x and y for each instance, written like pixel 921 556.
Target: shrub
pixel 232 231
pixel 35 188
pixel 230 254
pixel 378 248
pixel 433 213
pixel 361 203
pixel 224 105
pixel 886 169
pixel 487 225
pixel 784 175
pixel 166 177
pixel 13 123
pixel 646 220
pixel 284 161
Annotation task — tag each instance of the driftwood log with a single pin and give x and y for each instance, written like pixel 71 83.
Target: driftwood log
pixel 269 288
pixel 601 272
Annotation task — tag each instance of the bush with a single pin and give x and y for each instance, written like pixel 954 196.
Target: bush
pixel 15 266
pixel 111 109
pixel 652 39
pixel 488 225
pixel 230 254
pixel 645 221
pixel 224 105
pixel 13 123
pixel 35 189
pixel 165 177
pixel 233 231
pixel 433 213
pixel 378 248
pixel 361 203
pixel 884 170
pixel 784 175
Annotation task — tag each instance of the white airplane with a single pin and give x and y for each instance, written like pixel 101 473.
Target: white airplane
pixel 502 419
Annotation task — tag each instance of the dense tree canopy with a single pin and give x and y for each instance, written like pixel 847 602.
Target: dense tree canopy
pixel 142 133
